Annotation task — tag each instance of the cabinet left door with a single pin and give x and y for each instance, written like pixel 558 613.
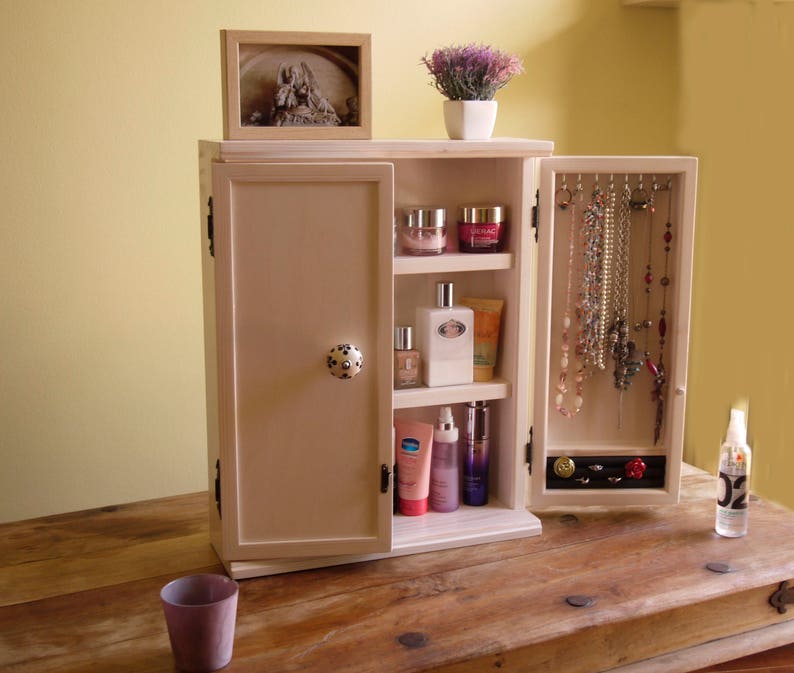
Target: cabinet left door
pixel 303 263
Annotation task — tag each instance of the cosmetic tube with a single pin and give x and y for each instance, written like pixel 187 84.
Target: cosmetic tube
pixel 487 317
pixel 475 453
pixel 413 447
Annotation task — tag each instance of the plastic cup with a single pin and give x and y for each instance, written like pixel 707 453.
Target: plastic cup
pixel 200 612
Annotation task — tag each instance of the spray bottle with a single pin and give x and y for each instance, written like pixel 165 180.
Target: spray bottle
pixel 733 489
pixel 444 469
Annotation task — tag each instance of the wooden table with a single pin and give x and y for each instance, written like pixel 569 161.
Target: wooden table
pixel 80 592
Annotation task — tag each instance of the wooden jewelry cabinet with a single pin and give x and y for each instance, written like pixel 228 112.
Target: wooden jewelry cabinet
pixel 301 258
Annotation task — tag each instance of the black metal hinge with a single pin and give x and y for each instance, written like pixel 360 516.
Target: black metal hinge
pixel 218 485
pixel 384 478
pixel 529 449
pixel 211 228
pixel 535 214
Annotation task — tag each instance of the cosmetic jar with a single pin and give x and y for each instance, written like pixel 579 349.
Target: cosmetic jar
pixel 423 231
pixel 481 228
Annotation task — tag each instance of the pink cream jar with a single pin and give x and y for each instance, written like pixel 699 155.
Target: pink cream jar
pixel 423 231
pixel 481 228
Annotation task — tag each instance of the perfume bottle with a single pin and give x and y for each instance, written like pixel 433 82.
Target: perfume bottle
pixel 407 373
pixel 475 453
pixel 445 336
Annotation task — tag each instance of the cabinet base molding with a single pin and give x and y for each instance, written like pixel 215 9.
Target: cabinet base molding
pixel 413 535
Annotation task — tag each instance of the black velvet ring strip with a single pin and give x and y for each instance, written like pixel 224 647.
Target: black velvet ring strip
pixel 611 475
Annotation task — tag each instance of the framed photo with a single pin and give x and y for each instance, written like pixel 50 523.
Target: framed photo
pixel 296 85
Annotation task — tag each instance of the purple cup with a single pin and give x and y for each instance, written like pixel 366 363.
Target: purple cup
pixel 200 611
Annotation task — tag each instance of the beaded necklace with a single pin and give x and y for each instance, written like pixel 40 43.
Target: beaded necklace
pixel 660 379
pixel 562 386
pixel 647 323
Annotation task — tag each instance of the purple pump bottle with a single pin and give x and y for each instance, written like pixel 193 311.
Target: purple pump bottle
pixel 475 455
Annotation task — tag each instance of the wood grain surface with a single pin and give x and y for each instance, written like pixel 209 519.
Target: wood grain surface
pixel 80 592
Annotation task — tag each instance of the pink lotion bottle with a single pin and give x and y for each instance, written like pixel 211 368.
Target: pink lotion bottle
pixel 444 467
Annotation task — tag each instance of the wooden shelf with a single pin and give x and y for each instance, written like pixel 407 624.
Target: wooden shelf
pixel 433 531
pixel 497 389
pixel 451 262
pixel 466 525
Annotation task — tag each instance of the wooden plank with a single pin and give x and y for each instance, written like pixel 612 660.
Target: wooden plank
pixel 496 605
pixel 99 531
pixel 69 628
pixel 74 552
pixel 102 528
pixel 56 576
pixel 712 655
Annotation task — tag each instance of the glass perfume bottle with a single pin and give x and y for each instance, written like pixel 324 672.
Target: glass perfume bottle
pixel 407 360
pixel 445 336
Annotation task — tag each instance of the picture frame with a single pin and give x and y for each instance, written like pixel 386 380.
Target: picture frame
pixel 296 85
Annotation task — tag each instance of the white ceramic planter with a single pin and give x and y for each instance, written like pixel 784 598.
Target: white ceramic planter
pixel 470 119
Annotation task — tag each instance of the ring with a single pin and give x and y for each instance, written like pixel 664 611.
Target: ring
pixel 635 469
pixel 642 199
pixel 564 467
pixel 583 480
pixel 615 480
pixel 565 202
pixel 595 468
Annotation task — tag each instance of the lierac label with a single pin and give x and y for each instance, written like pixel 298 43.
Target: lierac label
pixel 451 329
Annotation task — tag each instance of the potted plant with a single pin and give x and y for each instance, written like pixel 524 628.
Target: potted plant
pixel 469 76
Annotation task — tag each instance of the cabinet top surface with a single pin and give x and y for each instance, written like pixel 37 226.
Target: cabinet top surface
pixel 249 150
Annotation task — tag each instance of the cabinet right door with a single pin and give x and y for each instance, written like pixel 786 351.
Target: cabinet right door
pixel 614 283
pixel 303 256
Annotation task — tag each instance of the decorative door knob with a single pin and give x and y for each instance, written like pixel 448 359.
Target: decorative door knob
pixel 345 361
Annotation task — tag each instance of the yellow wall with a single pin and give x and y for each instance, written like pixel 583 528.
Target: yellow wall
pixel 101 382
pixel 737 114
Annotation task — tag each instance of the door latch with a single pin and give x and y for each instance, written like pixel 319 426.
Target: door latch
pixel 536 214
pixel 218 486
pixel 782 597
pixel 210 227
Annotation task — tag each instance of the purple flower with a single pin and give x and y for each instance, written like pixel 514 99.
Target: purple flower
pixel 471 71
